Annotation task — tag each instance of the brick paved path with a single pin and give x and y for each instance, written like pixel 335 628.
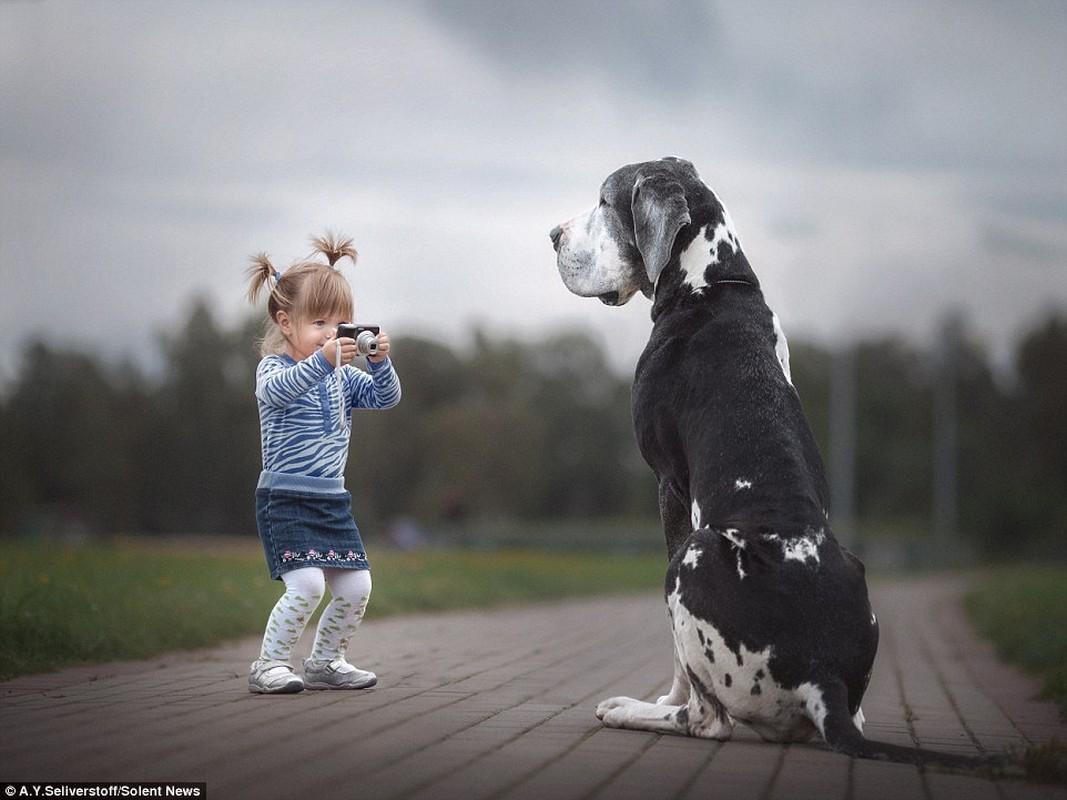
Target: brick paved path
pixel 499 704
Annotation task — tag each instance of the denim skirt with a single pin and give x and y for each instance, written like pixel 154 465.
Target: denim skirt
pixel 302 529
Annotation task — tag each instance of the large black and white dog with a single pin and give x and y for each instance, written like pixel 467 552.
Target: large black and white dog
pixel 771 621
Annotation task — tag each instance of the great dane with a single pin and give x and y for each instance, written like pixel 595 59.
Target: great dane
pixel 771 620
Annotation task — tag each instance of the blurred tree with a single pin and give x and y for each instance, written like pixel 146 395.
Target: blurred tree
pixel 810 367
pixel 1042 367
pixel 202 454
pixel 990 512
pixel 517 429
pixel 388 471
pixel 1042 401
pixel 508 428
pixel 589 461
pixel 68 429
pixel 893 432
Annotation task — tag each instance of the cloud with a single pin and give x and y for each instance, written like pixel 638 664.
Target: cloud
pixel 868 152
pixel 667 46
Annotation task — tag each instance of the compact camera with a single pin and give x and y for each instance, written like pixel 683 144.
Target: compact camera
pixel 366 337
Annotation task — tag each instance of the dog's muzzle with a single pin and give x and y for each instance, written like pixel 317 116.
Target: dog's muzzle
pixel 559 242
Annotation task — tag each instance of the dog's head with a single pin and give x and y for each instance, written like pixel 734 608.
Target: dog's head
pixel 623 244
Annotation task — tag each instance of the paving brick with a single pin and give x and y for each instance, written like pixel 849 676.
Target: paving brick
pixel 500 704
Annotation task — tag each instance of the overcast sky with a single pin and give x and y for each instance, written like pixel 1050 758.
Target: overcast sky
pixel 883 161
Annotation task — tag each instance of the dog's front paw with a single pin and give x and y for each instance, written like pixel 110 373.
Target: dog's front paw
pixel 606 706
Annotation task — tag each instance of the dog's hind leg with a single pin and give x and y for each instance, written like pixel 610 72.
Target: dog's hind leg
pixel 689 710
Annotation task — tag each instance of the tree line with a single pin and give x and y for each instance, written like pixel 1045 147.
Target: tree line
pixel 509 429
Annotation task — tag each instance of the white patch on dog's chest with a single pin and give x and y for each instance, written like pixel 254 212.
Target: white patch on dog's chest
pixel 741 679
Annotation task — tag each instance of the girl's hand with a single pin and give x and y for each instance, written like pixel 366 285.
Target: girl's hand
pixel 347 352
pixel 383 348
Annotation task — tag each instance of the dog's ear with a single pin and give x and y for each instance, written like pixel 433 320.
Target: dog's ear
pixel 660 211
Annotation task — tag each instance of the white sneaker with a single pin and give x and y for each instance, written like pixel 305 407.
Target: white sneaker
pixel 273 677
pixel 336 674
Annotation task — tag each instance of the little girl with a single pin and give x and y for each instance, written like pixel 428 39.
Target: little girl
pixel 306 388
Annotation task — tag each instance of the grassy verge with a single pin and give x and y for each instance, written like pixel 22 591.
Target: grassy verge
pixel 1023 611
pixel 62 605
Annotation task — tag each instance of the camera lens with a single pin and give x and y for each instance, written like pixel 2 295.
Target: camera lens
pixel 366 344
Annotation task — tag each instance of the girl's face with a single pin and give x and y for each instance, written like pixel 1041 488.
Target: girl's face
pixel 305 336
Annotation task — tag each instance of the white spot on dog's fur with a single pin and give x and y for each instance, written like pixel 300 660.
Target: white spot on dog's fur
pixel 741 483
pixel 702 253
pixel 858 719
pixel 695 259
pixel 731 535
pixel 811 696
pixel 799 548
pixel 781 348
pixel 692 557
pixel 725 232
pixel 695 518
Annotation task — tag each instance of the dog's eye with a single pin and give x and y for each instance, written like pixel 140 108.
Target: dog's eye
pixel 604 201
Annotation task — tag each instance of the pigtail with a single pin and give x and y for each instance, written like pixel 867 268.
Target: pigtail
pixel 334 247
pixel 259 274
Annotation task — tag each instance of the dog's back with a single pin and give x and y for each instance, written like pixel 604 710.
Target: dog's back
pixel 716 416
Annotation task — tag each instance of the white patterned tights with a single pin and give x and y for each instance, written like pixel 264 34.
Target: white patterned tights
pixel 304 590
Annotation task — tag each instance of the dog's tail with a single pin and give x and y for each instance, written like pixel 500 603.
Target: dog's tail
pixel 841 733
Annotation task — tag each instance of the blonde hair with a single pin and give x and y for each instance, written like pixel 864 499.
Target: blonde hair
pixel 308 289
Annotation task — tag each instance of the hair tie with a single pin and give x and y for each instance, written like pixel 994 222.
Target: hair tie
pixel 277 276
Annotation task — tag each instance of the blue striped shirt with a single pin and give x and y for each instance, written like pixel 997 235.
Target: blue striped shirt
pixel 302 429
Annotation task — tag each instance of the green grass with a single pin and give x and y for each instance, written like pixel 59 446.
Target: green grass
pixel 62 605
pixel 1023 611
